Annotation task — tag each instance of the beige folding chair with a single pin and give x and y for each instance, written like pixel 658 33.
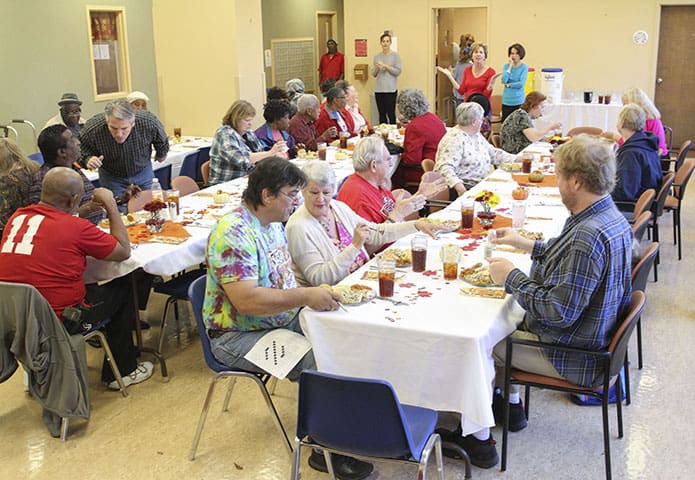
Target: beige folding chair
pixel 205 172
pixel 185 185
pixel 588 130
pixel 136 203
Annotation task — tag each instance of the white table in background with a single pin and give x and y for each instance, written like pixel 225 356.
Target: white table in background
pixel 579 114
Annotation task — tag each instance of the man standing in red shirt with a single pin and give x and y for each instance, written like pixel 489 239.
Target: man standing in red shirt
pixel 332 64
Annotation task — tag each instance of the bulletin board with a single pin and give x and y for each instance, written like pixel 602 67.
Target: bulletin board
pixel 293 58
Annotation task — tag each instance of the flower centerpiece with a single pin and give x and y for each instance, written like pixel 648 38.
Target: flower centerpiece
pixel 155 224
pixel 488 200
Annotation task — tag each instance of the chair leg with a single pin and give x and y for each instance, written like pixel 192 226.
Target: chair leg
pixel 677 221
pixel 297 458
pixel 619 401
pixel 272 384
pixel 673 215
pixel 64 429
pixel 271 407
pixel 505 421
pixel 110 359
pixel 626 371
pixel 228 396
pixel 165 315
pixel 639 343
pixel 606 432
pixel 203 416
pixel 329 463
pixel 658 256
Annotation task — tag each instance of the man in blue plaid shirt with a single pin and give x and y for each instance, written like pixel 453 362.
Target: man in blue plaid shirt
pixel 580 281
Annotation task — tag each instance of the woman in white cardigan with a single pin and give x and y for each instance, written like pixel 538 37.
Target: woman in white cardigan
pixel 327 239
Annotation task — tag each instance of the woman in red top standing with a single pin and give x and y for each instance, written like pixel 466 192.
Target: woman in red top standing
pixel 479 78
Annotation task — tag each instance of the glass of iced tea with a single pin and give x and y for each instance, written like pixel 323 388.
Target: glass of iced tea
pixel 418 250
pixel 173 203
pixel 321 147
pixel 387 276
pixel 344 139
pixel 467 212
pixel 450 260
pixel 177 134
pixel 526 162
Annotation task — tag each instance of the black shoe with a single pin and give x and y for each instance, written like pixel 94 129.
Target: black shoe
pixel 345 468
pixel 144 325
pixel 482 453
pixel 517 414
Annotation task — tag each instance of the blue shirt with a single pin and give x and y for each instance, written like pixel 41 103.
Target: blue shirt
pixel 514 93
pixel 579 285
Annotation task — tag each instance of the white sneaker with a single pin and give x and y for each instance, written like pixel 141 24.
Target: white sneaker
pixel 140 374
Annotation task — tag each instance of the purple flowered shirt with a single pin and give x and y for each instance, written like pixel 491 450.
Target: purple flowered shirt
pixel 240 248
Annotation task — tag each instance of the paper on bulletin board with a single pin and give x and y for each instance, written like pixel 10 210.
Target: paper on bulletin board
pixel 360 47
pixel 101 51
pixel 278 351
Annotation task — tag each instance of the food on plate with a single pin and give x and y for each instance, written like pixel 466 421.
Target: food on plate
pixel 511 167
pixel 478 275
pixel 447 225
pixel 520 193
pixel 301 153
pixel 373 275
pixel 341 155
pixel 220 197
pixel 128 220
pixel 353 294
pixel 536 176
pixel 530 235
pixel 311 155
pixel 558 140
pixel 401 256
pixel 498 293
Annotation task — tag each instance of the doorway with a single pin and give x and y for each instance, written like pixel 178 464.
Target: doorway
pixel 326 27
pixel 450 24
pixel 674 79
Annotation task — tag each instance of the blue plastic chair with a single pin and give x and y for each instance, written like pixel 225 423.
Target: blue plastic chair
pixel 37 157
pixel 189 166
pixel 363 417
pixel 196 293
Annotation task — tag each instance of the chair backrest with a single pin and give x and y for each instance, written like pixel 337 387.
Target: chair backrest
pixel 196 293
pixel 185 185
pixel 37 157
pixel 496 107
pixel 205 172
pixel 641 224
pixel 136 203
pixel 618 345
pixel 588 130
pixel 640 272
pixel 643 202
pixel 682 154
pixel 658 203
pixel 683 174
pixel 495 140
pixel 439 197
pixel 190 165
pixel 354 415
pixel 668 134
pixel 427 165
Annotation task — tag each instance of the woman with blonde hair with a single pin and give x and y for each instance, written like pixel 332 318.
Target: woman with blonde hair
pixel 15 179
pixel 637 96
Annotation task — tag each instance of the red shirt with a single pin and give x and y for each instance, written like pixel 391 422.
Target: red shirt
pixel 331 67
pixel 325 121
pixel 303 131
pixel 471 84
pixel 422 136
pixel 48 248
pixel 367 201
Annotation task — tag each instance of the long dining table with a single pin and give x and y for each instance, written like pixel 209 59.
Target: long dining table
pixel 435 345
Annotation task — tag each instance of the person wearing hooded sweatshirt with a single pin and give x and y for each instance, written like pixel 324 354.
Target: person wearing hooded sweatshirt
pixel 638 167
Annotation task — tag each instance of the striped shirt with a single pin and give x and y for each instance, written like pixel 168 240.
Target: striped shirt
pixel 579 285
pixel 130 157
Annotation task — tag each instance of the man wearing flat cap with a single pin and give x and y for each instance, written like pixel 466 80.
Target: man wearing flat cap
pixel 70 113
pixel 332 64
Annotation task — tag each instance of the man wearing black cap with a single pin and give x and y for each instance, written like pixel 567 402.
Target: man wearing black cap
pixel 70 113
pixel 332 64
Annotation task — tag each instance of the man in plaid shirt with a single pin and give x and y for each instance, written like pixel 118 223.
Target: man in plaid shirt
pixel 580 282
pixel 119 143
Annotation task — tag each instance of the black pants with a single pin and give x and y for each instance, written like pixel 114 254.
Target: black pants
pixel 386 104
pixel 114 300
pixel 507 110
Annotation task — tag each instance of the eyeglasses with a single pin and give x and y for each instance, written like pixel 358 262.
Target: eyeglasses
pixel 294 196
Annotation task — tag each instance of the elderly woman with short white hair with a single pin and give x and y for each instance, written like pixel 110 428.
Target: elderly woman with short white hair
pixel 464 157
pixel 327 239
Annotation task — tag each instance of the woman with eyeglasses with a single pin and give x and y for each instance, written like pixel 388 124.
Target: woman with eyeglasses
pixel 518 132
pixel 327 240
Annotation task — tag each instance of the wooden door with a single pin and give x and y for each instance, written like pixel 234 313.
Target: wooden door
pixel 675 82
pixel 445 36
pixel 325 29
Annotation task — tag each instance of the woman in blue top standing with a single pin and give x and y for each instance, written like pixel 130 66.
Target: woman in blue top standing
pixel 514 76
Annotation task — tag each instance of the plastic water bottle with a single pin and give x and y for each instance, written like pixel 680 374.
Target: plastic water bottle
pixel 489 246
pixel 157 193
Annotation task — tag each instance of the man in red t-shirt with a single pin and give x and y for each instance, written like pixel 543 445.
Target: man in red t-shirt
pixel 367 190
pixel 44 245
pixel 332 64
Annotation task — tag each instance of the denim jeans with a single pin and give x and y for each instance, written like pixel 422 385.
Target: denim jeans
pixel 230 348
pixel 117 185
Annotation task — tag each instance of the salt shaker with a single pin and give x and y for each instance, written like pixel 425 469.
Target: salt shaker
pixel 489 246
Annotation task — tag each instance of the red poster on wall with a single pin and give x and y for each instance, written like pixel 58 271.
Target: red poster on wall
pixel 360 47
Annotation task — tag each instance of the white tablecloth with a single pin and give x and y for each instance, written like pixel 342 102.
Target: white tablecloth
pixel 436 350
pixel 579 114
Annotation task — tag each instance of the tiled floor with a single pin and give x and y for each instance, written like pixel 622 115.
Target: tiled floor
pixel 148 434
